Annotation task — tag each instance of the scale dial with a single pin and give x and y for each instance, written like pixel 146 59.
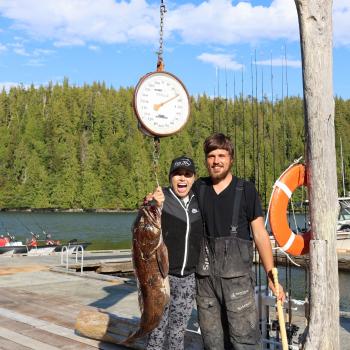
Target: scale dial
pixel 161 103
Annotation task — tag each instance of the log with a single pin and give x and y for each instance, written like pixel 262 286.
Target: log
pixel 121 267
pixel 100 325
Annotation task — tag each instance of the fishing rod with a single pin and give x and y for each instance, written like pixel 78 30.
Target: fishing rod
pixel 257 126
pixel 243 127
pixel 252 119
pixel 235 122
pixel 25 226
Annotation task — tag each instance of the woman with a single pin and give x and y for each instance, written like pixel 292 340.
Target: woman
pixel 182 232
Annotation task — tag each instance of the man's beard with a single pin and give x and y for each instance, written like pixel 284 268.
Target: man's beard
pixel 219 176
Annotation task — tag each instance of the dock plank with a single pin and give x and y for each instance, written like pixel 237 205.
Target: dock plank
pixel 60 311
pixel 6 344
pixel 24 340
pixel 42 325
pixel 39 334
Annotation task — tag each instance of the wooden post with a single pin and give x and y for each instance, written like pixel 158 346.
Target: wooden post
pixel 315 23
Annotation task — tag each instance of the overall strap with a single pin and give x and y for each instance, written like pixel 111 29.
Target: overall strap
pixel 236 206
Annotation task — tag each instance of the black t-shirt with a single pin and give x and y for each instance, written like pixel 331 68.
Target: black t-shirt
pixel 217 209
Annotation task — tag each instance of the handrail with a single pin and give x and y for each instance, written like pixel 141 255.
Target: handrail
pixel 75 249
pixel 64 248
pixel 80 247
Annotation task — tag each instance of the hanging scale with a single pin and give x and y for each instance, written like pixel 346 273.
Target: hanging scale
pixel 161 101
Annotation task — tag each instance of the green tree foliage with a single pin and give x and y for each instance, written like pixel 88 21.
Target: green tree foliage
pixel 65 146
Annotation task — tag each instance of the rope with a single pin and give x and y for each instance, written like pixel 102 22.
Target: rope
pixel 296 161
pixel 287 255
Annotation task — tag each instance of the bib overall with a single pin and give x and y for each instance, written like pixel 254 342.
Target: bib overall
pixel 225 290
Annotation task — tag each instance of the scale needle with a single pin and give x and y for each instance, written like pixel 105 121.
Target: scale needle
pixel 158 105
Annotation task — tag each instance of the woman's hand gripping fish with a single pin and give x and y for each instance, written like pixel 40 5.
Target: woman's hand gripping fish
pixel 150 258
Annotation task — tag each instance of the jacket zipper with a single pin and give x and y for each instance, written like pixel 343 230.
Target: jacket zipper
pixel 187 229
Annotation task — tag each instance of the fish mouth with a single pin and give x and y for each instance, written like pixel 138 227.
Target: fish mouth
pixel 152 213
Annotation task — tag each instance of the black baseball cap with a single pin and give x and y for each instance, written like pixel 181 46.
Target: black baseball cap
pixel 182 163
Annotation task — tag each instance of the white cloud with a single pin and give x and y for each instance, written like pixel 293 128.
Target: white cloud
pixel 21 51
pixel 35 62
pixel 75 22
pixel 224 61
pixel 341 19
pixel 219 22
pixel 94 48
pixel 3 48
pixel 278 62
pixel 42 52
pixel 7 85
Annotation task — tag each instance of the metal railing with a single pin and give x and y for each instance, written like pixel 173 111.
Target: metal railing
pixel 66 250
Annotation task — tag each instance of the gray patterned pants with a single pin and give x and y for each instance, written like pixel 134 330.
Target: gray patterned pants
pixel 171 330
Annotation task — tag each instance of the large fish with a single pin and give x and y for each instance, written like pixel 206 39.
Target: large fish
pixel 151 264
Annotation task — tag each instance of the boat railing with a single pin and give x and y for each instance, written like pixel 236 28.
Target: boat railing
pixel 267 308
pixel 66 250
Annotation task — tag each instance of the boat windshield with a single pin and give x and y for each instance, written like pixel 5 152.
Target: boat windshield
pixel 344 212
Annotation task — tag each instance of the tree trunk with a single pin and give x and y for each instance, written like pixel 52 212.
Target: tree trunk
pixel 315 23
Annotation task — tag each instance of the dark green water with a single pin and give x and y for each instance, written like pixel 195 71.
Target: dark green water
pixel 103 230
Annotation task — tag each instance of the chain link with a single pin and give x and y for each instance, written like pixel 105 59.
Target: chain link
pixel 155 156
pixel 161 32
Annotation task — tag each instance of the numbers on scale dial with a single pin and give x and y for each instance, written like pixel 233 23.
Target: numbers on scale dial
pixel 162 103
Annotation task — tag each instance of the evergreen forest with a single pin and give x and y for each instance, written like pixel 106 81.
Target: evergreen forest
pixel 70 147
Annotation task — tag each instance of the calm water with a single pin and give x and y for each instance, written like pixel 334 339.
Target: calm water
pixel 104 227
pixel 108 230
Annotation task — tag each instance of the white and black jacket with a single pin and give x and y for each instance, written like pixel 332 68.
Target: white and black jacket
pixel 182 231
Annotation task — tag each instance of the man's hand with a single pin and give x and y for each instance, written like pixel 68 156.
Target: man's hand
pixel 281 295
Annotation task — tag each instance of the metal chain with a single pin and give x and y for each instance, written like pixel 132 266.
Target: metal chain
pixel 160 66
pixel 161 31
pixel 155 156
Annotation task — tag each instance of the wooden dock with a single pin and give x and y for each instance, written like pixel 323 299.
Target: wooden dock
pixel 39 307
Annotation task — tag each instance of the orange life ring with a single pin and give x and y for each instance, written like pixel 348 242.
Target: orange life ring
pixel 295 244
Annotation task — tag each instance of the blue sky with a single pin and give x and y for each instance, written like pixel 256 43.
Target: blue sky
pixel 206 44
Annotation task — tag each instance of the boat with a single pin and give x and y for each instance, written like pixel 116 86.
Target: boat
pixel 42 247
pixel 73 245
pixel 343 223
pixel 36 246
pixel 9 245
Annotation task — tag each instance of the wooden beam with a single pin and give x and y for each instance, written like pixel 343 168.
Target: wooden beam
pixel 316 32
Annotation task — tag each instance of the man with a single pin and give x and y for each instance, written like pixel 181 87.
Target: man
pixel 231 210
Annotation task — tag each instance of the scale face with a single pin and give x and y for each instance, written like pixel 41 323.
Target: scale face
pixel 161 103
